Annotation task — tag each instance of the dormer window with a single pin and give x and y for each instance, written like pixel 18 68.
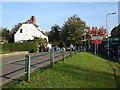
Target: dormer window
pixel 20 30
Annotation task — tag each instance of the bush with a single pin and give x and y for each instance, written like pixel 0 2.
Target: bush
pixel 26 46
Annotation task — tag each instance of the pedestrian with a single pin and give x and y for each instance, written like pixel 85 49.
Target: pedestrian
pixel 64 48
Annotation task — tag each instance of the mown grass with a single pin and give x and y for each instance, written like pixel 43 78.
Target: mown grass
pixel 82 70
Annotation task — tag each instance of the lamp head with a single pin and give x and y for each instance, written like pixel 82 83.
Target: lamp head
pixel 112 13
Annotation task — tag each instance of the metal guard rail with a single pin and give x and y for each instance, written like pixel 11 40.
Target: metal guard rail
pixel 30 65
pixel 13 61
pixel 39 55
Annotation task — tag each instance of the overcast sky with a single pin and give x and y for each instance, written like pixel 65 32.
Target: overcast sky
pixel 49 13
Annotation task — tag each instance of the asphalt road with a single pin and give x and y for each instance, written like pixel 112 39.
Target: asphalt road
pixel 11 70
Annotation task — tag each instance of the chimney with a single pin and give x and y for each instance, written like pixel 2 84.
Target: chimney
pixel 33 19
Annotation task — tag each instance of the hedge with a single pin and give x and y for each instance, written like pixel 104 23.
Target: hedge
pixel 25 46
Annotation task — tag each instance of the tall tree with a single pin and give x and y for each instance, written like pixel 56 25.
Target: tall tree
pixel 54 34
pixel 72 30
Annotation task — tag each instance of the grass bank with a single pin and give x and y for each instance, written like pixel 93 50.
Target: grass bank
pixel 82 70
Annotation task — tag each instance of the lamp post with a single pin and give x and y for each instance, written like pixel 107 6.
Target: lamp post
pixel 107 30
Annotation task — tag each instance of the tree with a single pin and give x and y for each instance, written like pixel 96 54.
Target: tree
pixel 115 33
pixel 15 28
pixel 54 34
pixel 13 31
pixel 62 44
pixel 42 42
pixel 72 30
pixel 4 33
pixel 94 31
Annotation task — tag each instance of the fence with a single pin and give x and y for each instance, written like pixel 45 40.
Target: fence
pixel 28 58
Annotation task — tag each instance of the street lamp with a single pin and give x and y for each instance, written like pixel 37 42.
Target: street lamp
pixel 107 30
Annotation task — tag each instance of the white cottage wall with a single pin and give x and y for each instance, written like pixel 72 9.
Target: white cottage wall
pixel 29 31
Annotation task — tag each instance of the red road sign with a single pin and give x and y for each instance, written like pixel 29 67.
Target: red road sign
pixel 97 41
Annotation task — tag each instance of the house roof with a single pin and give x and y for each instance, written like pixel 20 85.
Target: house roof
pixel 38 27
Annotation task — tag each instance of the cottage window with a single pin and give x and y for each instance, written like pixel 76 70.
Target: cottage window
pixel 20 30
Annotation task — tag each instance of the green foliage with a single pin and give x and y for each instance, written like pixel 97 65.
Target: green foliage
pixel 54 34
pixel 40 40
pixel 72 30
pixel 4 34
pixel 54 43
pixel 42 43
pixel 26 46
pixel 15 28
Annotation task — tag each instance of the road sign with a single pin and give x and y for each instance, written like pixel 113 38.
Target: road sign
pixel 96 38
pixel 97 41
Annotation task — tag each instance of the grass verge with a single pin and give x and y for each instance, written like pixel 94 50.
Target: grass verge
pixel 10 52
pixel 82 70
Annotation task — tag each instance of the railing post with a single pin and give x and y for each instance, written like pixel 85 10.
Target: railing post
pixel 75 50
pixel 51 57
pixel 27 68
pixel 84 48
pixel 48 49
pixel 63 54
pixel 70 52
pixel 78 48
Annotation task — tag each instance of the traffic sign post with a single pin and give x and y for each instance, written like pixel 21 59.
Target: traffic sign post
pixel 96 40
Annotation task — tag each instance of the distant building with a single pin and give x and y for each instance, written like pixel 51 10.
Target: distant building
pixel 29 30
pixel 119 12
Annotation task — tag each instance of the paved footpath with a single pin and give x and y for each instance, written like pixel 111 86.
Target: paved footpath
pixel 11 70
